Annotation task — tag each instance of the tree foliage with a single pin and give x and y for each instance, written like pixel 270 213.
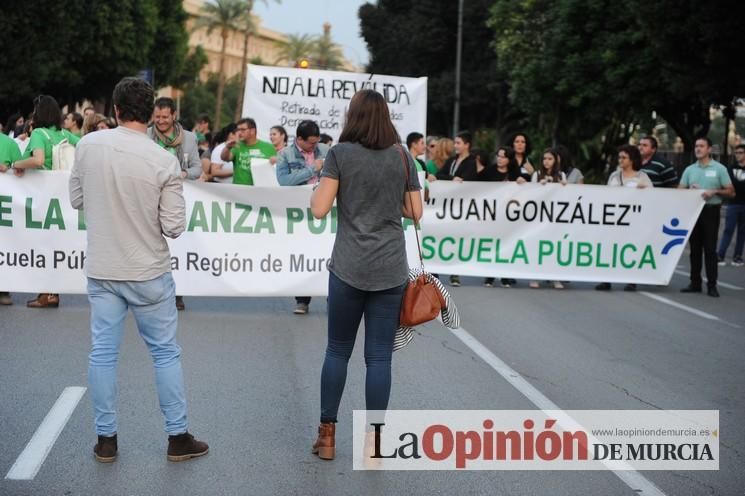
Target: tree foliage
pixel 81 48
pixel 418 38
pixel 590 73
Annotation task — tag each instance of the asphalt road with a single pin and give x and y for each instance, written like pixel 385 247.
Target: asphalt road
pixel 252 371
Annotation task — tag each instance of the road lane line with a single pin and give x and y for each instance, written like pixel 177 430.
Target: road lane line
pixel 29 462
pixel 719 283
pixel 636 481
pixel 686 308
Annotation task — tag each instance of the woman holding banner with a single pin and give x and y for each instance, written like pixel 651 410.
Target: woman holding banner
pixel 627 175
pixel 374 183
pixel 48 132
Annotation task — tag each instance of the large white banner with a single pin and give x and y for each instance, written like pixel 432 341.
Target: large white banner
pixel 285 96
pixel 555 232
pixel 254 241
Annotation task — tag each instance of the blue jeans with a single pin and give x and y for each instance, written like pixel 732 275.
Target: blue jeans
pixel 152 304
pixel 734 218
pixel 346 307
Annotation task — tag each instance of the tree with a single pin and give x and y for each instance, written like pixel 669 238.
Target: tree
pixel 418 38
pixel 226 16
pixel 297 46
pixel 55 54
pixel 248 29
pixel 326 53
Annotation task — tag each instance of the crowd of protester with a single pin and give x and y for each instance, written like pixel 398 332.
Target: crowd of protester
pixel 225 156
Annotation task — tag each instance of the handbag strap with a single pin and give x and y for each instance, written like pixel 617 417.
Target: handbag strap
pixel 406 195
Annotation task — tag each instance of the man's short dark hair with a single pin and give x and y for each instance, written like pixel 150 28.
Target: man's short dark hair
pixel 652 140
pixel 705 138
pixel 326 138
pixel 165 102
pixel 465 136
pixel 133 98
pixel 306 129
pixel 248 122
pixel 413 138
pixel 740 147
pixel 204 118
pixel 78 119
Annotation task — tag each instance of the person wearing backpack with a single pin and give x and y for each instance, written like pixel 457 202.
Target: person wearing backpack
pixel 49 147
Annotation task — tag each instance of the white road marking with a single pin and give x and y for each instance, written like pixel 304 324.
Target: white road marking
pixel 686 308
pixel 636 481
pixel 719 283
pixel 29 462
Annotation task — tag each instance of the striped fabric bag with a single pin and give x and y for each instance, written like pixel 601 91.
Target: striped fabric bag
pixel 449 313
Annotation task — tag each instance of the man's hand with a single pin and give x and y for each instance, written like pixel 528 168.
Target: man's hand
pixel 708 194
pixel 318 165
pixel 230 143
pixel 3 168
pixel 184 174
pixel 18 172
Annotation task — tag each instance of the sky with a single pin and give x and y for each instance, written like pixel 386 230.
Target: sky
pixel 308 16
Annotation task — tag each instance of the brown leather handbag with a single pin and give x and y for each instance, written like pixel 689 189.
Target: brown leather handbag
pixel 422 302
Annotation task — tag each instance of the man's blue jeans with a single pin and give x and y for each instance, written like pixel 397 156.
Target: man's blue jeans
pixel 152 303
pixel 734 218
pixel 346 307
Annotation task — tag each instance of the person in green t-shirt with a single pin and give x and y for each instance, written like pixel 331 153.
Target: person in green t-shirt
pixel 712 178
pixel 241 150
pixel 9 153
pixel 47 117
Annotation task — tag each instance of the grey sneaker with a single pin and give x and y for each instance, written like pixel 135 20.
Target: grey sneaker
pixel 737 262
pixel 301 309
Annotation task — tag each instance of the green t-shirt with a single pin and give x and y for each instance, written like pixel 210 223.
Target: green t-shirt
pixel 44 138
pixel 9 151
pixel 431 167
pixel 712 176
pixel 242 155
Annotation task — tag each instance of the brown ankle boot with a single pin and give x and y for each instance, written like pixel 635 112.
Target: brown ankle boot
pixel 184 447
pixel 325 445
pixel 44 300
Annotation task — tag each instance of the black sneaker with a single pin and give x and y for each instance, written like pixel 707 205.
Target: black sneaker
pixel 721 262
pixel 184 447
pixel 603 286
pixel 713 292
pixel 105 449
pixel 489 282
pixel 630 287
pixel 455 281
pixel 737 262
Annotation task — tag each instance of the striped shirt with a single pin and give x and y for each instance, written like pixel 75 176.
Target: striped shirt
pixel 660 172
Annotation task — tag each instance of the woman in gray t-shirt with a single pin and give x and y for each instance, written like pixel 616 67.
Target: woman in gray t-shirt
pixel 374 182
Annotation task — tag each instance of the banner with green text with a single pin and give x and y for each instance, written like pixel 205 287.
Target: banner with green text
pixel 555 232
pixel 252 241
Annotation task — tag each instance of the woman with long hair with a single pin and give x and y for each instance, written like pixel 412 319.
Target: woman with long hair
pixel 442 150
pixel 549 173
pixel 374 182
pixel 48 132
pixel 627 175
pixel 521 145
pixel 505 168
pixel 278 138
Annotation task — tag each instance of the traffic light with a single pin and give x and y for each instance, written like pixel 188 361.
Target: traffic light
pixel 303 63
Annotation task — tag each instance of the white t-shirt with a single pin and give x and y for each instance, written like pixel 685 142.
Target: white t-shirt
pixel 215 159
pixel 22 144
pixel 534 177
